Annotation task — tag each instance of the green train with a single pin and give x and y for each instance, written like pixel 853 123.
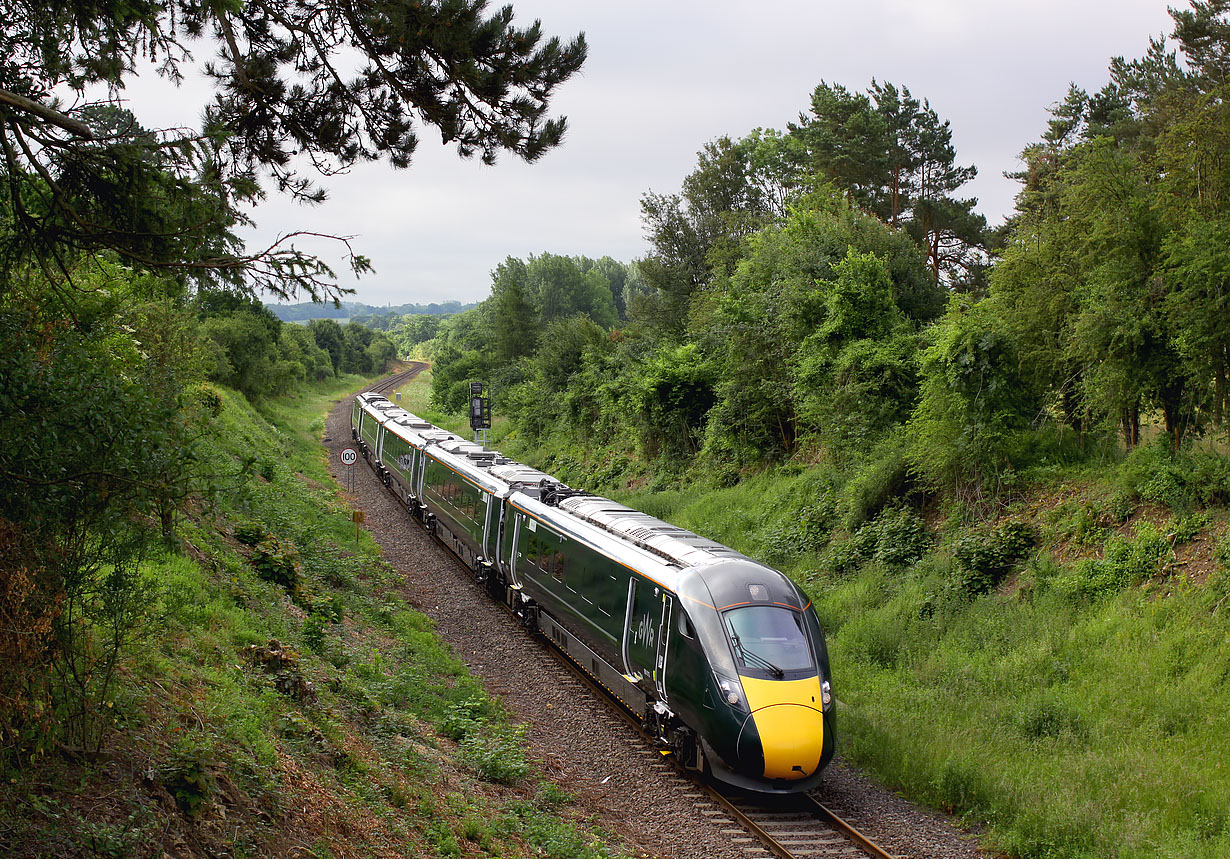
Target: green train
pixel 720 656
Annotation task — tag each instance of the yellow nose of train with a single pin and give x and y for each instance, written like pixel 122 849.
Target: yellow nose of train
pixel 789 719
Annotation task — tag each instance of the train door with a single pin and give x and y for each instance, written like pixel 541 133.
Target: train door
pixel 664 641
pixel 488 526
pixel 513 533
pixel 644 641
pixel 419 470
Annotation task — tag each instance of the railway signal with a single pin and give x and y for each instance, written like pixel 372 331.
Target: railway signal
pixel 480 411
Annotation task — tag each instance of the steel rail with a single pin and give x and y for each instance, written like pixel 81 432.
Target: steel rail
pixel 847 829
pixel 772 844
pixel 384 385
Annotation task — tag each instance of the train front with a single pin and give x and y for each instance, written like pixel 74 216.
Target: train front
pixel 768 717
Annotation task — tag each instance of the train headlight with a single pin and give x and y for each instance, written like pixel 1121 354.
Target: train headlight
pixel 826 694
pixel 732 694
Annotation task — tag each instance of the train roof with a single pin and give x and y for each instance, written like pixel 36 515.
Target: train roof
pixel 675 544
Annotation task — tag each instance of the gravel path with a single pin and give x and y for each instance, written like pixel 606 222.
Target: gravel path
pixel 574 737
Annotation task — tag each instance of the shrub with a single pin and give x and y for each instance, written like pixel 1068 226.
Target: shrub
pixel 804 531
pixel 1124 562
pixel 1222 552
pixel 250 533
pixel 498 757
pixel 841 558
pixel 277 561
pixel 884 477
pixel 189 778
pixel 901 537
pixel 1177 480
pixel 982 560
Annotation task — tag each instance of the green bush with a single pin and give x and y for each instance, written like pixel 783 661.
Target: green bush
pixel 189 778
pixel 982 560
pixel 896 538
pixel 250 533
pixel 883 477
pixel 498 757
pixel 276 561
pixel 842 557
pixel 802 532
pixel 464 717
pixel 1124 562
pixel 901 538
pixel 1222 552
pixel 1178 480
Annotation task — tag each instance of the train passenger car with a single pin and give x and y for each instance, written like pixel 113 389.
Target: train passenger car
pixel 721 656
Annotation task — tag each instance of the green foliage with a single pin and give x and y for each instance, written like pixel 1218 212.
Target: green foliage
pixel 498 758
pixel 973 402
pixel 895 157
pixel 277 561
pixel 777 328
pixel 93 180
pixel 1124 562
pixel 188 776
pixel 897 537
pixel 250 533
pixel 248 348
pixel 874 483
pixel 983 559
pixel 1178 480
pixel 677 392
pixel 101 396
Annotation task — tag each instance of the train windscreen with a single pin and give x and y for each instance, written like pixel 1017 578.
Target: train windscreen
pixel 769 639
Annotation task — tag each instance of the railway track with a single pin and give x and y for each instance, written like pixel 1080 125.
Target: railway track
pixel 387 386
pixel 795 826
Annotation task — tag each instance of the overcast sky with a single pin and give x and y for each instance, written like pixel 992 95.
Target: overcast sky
pixel 662 79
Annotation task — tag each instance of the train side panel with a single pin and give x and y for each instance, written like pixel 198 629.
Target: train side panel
pixel 613 609
pixel 462 509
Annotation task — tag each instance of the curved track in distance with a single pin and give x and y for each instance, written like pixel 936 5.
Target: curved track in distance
pixel 387 386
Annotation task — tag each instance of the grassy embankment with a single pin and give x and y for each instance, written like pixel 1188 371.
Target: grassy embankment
pixel 285 700
pixel 1060 680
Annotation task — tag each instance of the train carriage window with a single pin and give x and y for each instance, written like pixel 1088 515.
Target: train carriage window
pixel 531 545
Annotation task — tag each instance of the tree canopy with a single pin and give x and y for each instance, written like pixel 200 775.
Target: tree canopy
pixel 302 90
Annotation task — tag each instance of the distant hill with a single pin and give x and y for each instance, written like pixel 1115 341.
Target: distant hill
pixel 352 309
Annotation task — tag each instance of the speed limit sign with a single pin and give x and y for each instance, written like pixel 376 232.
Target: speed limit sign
pixel 349 457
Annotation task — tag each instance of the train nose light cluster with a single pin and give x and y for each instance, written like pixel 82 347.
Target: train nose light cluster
pixel 826 694
pixel 730 691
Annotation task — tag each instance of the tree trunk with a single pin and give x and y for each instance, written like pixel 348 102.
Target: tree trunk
pixel 896 194
pixel 1219 391
pixel 1130 420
